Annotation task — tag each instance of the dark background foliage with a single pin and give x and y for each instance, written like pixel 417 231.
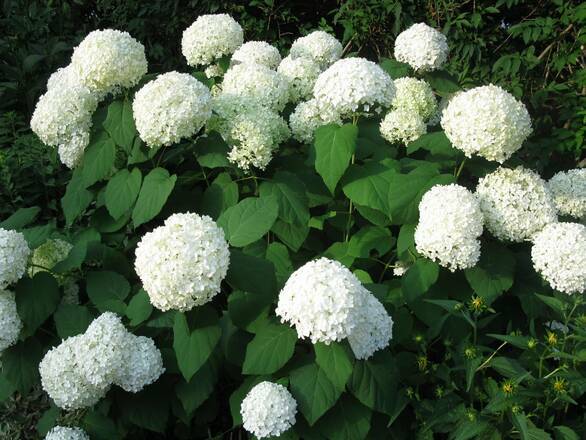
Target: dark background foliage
pixel 533 48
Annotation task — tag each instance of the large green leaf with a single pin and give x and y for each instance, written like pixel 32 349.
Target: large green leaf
pixel 20 364
pixel 36 299
pixel 122 191
pixel 195 340
pixel 270 349
pixel 139 308
pixel 419 278
pixel 348 420
pixel 149 408
pixel 374 382
pixel 156 188
pixel 212 151
pixel 72 319
pixel 221 194
pixel 21 218
pixel 252 274
pixel 335 361
pixel 368 184
pixel 76 199
pixel 368 239
pixel 394 68
pixel 289 192
pixel 98 160
pixel 249 220
pixel 107 290
pixel 313 391
pixel 493 274
pixel 119 124
pixel 193 393
pixel 334 147
pixel 245 307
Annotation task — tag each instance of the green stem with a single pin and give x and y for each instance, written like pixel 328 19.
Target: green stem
pixel 460 168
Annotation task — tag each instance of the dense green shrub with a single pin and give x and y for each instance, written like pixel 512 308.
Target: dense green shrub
pixel 491 351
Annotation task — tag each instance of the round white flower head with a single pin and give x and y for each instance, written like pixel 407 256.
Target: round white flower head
pixel 319 46
pixel 354 85
pixel 402 125
pixel 568 189
pixel 301 74
pixel 307 117
pixel 47 255
pixel 374 328
pixel 10 323
pixel 61 378
pixel 63 118
pixel 422 47
pixel 559 255
pixel 258 83
pixel 172 107
pixel 515 203
pixel 105 350
pixel 108 60
pixel 64 77
pixel 416 95
pixel 182 263
pixel 487 121
pixel 14 253
pixel 66 433
pixel 211 37
pixel 259 52
pixel 319 300
pixel 268 410
pixel 450 222
pixel 144 366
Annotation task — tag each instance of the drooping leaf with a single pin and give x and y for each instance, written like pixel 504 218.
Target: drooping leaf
pixel 249 220
pixel 98 160
pixel 156 188
pixel 20 364
pixel 419 278
pixel 21 218
pixel 252 274
pixel 335 361
pixel 270 349
pixel 121 192
pixel 119 124
pixel 76 199
pixel 36 299
pixel 368 184
pixel 334 147
pixel 348 420
pixel 107 290
pixel 72 319
pixel 139 308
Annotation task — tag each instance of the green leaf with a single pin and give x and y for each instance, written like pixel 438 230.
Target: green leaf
pixel 100 427
pixel 508 367
pixel 289 192
pixel 98 160
pixel 156 188
pixel 107 290
pixel 368 239
pixel 515 340
pixel 20 364
pixel 122 191
pixel 553 303
pixel 249 220
pixel 374 382
pixel 493 274
pixel 252 274
pixel 149 408
pixel 279 255
pixel 193 393
pixel 348 420
pixel 71 320
pixel 437 143
pixel 335 361
pixel 313 391
pixel 334 147
pixel 21 218
pixel 419 278
pixel 270 349
pixel 520 422
pixel 245 307
pixel 76 199
pixel 36 299
pixel 293 235
pixel 48 420
pixel 564 433
pixel 139 308
pixel 221 194
pixel 368 185
pixel 442 82
pixel 194 342
pixel 212 151
pixel 119 124
pixel 394 68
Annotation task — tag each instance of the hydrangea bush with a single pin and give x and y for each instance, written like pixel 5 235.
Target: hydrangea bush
pixel 297 245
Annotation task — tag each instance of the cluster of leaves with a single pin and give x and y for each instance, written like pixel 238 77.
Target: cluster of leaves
pixel 474 354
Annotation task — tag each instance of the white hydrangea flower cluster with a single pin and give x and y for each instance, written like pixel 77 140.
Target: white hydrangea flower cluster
pixel 78 372
pixel 47 255
pixel 14 253
pixel 10 322
pixel 259 83
pixel 268 410
pixel 450 223
pixel 354 85
pixel 559 255
pixel 182 263
pixel 325 302
pixel 416 95
pixel 402 125
pixel 63 118
pixel 307 117
pixel 568 189
pixel 171 107
pixel 487 121
pixel 516 203
pixel 319 46
pixel 422 47
pixel 108 60
pixel 258 52
pixel 64 77
pixel 302 73
pixel 211 37
pixel 66 433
